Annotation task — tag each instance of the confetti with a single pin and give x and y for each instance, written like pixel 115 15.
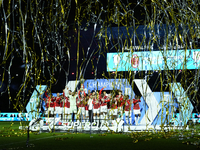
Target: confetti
pixel 47 38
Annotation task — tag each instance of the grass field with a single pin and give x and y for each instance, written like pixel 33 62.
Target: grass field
pixel 12 138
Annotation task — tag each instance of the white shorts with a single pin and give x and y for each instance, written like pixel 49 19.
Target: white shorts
pixel 96 111
pixel 67 110
pixel 108 110
pixel 113 112
pixel 136 111
pixel 81 110
pixel 61 110
pixel 51 109
pixel 86 113
pixel 58 110
pixel 128 113
pixel 103 109
pixel 120 109
pixel 73 109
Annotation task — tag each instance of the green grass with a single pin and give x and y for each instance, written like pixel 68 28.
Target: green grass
pixel 13 138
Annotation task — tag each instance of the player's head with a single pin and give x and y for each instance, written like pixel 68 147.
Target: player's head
pixel 58 94
pixel 87 96
pixel 104 92
pixel 127 96
pixel 109 95
pixel 70 92
pixel 120 92
pixel 135 96
pixel 93 92
pixel 95 95
pixel 89 91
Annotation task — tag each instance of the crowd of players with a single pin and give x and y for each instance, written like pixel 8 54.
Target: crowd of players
pixel 95 106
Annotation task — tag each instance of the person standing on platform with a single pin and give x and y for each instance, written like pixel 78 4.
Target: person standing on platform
pixel 90 105
pixel 103 108
pixel 66 94
pixel 119 99
pixel 73 108
pixel 96 108
pixel 113 108
pixel 127 104
pixel 81 106
pixel 86 108
pixel 52 105
pixel 136 108
pixel 57 104
pixel 62 101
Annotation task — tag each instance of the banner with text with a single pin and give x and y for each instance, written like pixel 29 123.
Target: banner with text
pixel 154 60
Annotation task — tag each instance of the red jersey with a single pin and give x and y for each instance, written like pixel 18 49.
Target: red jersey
pixel 46 102
pixel 81 102
pixel 52 102
pixel 57 102
pixel 136 103
pixel 66 99
pixel 77 102
pixel 67 103
pixel 114 104
pixel 46 94
pixel 86 107
pixel 119 100
pixel 82 93
pixel 104 100
pixel 127 105
pixel 96 103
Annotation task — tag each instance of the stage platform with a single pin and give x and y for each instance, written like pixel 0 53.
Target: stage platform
pixel 58 125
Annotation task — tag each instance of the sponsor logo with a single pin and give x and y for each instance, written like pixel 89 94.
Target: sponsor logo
pixel 135 61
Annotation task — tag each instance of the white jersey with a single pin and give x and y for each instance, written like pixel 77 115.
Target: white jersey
pixel 66 92
pixel 72 100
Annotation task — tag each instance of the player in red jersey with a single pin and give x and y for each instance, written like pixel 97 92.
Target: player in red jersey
pixel 52 105
pixel 119 99
pixel 81 106
pixel 47 112
pixel 127 104
pixel 87 107
pixel 103 108
pixel 66 104
pixel 57 105
pixel 136 108
pixel 113 107
pixel 96 108
pixel 62 105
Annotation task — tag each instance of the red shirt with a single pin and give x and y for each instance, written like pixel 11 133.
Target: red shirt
pixel 82 102
pixel 57 102
pixel 114 104
pixel 52 104
pixel 46 102
pixel 136 103
pixel 106 100
pixel 96 103
pixel 119 100
pixel 127 105
pixel 86 107
pixel 67 103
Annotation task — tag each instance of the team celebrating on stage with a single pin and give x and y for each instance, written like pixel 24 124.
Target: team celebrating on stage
pixel 95 106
